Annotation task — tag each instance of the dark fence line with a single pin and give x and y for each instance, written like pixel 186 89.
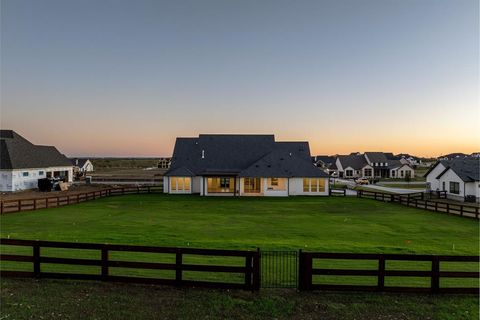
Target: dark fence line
pixel 282 269
pixel 250 269
pixel 338 192
pixel 417 200
pixel 9 206
pixel 307 271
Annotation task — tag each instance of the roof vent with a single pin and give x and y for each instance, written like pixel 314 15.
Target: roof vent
pixel 203 154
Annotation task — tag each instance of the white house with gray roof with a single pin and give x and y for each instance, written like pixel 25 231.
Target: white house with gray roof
pixel 243 165
pixel 372 165
pixel 23 163
pixel 459 177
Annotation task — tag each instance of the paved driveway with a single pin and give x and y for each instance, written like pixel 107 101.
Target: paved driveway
pixel 394 190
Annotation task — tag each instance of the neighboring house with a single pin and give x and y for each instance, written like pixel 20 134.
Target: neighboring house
pixel 458 177
pixel 372 165
pixel 81 165
pixel 164 163
pixel 323 161
pixel 408 159
pixel 244 165
pixel 452 156
pixel 23 163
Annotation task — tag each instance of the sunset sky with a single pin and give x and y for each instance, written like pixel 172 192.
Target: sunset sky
pixel 124 78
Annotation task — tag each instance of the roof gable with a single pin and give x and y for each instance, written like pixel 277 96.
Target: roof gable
pixel 18 153
pixel 467 169
pixel 356 162
pixel 376 157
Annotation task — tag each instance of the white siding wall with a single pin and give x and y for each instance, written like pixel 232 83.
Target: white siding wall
pixel 451 176
pixel 6 180
pixel 275 193
pixel 14 180
pixel 431 178
pixel 355 174
pixel 473 188
pixel 405 169
pixel 196 184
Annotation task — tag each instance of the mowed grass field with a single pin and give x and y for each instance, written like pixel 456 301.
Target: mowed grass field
pixel 333 224
pixel 327 224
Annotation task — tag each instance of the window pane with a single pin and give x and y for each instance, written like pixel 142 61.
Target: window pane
pixel 173 184
pixel 321 185
pixel 306 183
pixel 180 184
pixel 313 185
pixel 187 184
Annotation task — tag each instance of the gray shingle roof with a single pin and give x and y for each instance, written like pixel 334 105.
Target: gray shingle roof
pixel 282 164
pixel 232 154
pixel 18 153
pixel 468 169
pixel 376 157
pixel 356 162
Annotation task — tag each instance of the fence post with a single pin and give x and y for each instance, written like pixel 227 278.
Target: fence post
pixel 248 271
pixel 104 262
pixel 435 281
pixel 1 207
pixel 301 267
pixel 36 260
pixel 305 271
pixel 256 271
pixel 78 198
pixel 19 205
pixel 436 206
pixel 381 273
pixel 34 204
pixel 448 207
pixel 178 267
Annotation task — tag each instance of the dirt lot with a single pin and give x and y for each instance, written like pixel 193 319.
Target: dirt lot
pixel 35 194
pixel 128 173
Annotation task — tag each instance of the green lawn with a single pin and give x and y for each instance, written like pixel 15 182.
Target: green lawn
pixel 310 223
pixel 334 224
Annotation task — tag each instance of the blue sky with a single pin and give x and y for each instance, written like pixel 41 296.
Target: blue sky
pixel 126 77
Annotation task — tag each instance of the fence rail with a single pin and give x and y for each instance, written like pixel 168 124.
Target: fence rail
pixel 307 271
pixel 253 269
pixel 338 192
pixel 250 269
pixel 417 200
pixel 9 206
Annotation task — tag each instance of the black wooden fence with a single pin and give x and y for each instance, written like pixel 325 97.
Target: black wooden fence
pixel 250 268
pixel 307 271
pixel 418 200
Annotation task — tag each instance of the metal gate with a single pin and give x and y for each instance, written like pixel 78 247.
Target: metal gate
pixel 279 269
